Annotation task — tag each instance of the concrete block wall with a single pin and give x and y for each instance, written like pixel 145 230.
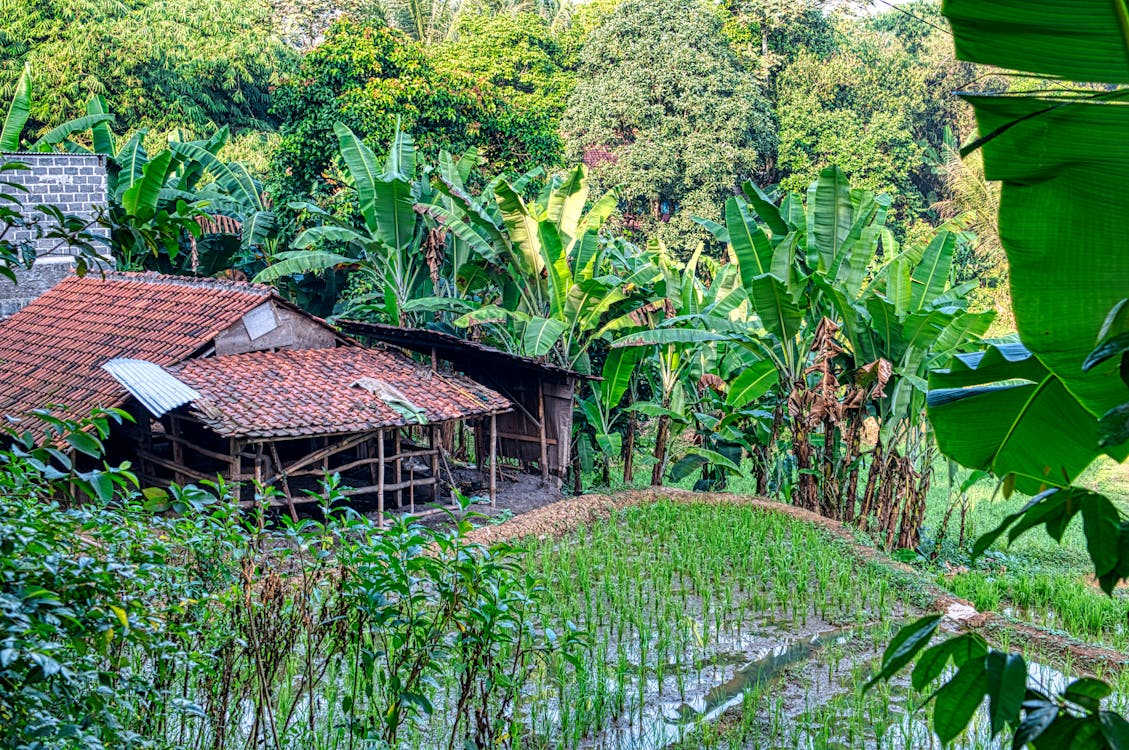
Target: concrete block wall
pixel 76 184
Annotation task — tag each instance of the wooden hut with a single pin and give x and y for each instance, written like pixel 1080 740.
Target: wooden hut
pixel 537 433
pixel 227 379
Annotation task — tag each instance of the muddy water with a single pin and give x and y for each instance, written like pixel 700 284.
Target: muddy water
pixel 714 685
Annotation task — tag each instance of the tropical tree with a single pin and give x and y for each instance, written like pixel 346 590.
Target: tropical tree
pixel 375 79
pixel 162 203
pixel 385 248
pixel 839 326
pixel 167 64
pixel 666 112
pixel 561 284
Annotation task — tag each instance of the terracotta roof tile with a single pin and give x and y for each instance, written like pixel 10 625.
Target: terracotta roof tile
pixel 51 352
pixel 297 392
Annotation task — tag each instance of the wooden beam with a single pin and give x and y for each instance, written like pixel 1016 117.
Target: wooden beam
pixel 317 455
pixel 285 483
pixel 433 442
pixel 493 459
pixel 178 469
pixel 422 482
pixel 542 433
pixel 525 438
pixel 177 449
pixel 397 470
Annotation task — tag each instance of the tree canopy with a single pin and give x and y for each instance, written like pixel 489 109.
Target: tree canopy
pixel 165 64
pixel 666 112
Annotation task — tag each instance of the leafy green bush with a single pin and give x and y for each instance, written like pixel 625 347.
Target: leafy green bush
pixel 175 619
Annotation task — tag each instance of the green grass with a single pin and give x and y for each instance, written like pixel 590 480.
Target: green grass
pixel 1035 580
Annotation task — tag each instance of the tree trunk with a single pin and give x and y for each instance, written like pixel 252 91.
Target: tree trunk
pixel 629 450
pixel 661 436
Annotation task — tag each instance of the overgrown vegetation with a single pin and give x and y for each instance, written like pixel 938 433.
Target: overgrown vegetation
pixel 753 220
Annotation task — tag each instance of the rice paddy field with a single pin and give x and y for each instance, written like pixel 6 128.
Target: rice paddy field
pixel 732 626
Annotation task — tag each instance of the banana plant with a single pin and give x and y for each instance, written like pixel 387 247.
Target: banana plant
pixel 833 301
pixel 385 248
pixel 680 329
pixel 560 283
pixel 19 110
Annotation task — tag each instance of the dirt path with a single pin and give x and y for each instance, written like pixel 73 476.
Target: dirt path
pixel 566 515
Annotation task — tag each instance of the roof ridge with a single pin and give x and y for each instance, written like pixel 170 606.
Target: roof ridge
pixel 204 282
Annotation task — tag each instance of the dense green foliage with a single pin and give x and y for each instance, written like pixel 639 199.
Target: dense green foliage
pixel 1036 412
pixel 673 120
pixel 123 625
pixel 165 64
pixel 371 77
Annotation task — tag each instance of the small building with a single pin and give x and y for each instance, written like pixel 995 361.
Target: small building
pixel 537 433
pixel 227 379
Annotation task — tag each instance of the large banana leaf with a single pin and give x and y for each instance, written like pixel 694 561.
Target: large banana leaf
pixel 619 366
pixel 363 168
pixel 556 265
pixel 402 155
pixel 750 244
pixel 753 382
pixel 232 177
pixel 541 335
pixel 1078 40
pixel 140 199
pixel 931 275
pixel 394 212
pixel 102 138
pixel 1063 160
pixel 522 227
pixel 778 312
pixel 566 203
pixel 830 216
pixel 301 261
pixel 60 133
pixel 1062 209
pixel 18 111
pixel 1004 412
pixel 131 158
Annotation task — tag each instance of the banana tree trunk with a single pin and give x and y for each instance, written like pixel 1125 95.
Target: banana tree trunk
pixel 662 435
pixel 629 451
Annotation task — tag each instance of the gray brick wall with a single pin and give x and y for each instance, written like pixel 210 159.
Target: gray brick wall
pixel 76 183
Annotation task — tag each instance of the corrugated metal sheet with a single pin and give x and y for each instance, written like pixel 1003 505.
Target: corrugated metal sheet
pixel 150 384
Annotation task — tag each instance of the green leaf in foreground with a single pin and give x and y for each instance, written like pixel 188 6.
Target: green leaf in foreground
pixel 958 700
pixel 906 644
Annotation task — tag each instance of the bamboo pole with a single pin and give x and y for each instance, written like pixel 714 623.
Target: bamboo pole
pixel 285 483
pixel 380 478
pixel 433 439
pixel 397 466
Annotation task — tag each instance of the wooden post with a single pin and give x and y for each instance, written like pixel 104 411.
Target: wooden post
pixel 380 478
pixel 493 459
pixel 433 443
pixel 285 482
pixel 397 470
pixel 371 467
pixel 543 433
pixel 177 449
pixel 412 489
pixel 434 360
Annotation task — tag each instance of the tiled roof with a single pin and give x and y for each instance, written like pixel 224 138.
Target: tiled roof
pixel 296 392
pixel 51 352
